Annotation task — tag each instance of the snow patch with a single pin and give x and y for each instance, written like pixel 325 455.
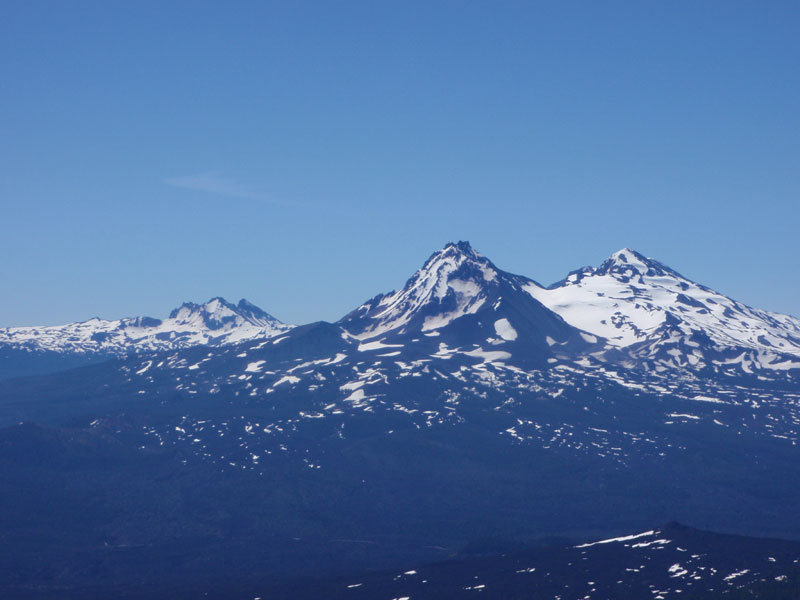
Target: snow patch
pixel 504 329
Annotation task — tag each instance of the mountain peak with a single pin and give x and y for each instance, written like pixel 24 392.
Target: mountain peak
pixel 453 282
pixel 218 312
pixel 456 253
pixel 630 262
pixel 630 257
pixel 248 309
pixel 463 247
pixel 460 298
pixel 455 261
pixel 214 305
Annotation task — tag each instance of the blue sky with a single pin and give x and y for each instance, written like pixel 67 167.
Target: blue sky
pixel 309 155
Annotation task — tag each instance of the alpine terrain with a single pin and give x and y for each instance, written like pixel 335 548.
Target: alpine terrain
pixel 473 417
pixel 33 350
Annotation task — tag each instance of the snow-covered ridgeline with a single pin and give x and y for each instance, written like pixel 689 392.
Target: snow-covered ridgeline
pixel 640 304
pixel 216 322
pixel 630 310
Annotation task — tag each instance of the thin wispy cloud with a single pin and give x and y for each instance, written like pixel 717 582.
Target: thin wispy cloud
pixel 220 185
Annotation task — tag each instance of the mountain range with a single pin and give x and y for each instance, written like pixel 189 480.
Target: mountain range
pixel 630 310
pixel 34 350
pixel 470 404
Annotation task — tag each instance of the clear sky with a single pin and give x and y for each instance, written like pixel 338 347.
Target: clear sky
pixel 309 155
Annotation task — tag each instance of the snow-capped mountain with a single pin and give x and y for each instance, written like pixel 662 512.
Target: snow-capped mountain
pixel 631 311
pixel 454 282
pixel 460 302
pixel 216 322
pixel 469 398
pixel 661 320
pixel 463 331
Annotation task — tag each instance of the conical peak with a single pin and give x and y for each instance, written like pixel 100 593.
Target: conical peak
pixel 627 254
pixel 630 257
pixel 628 260
pixel 458 251
pixel 453 282
pixel 458 260
pixel 460 246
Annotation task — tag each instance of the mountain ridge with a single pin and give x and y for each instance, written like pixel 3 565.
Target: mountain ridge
pixel 324 448
pixel 32 350
pixel 644 313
